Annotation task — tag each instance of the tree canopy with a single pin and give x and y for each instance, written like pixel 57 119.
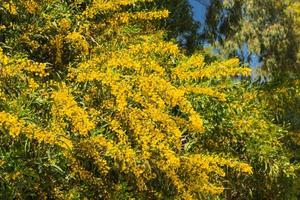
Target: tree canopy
pixel 268 29
pixel 99 101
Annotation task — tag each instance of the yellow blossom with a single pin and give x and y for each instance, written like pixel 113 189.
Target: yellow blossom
pixel 11 123
pixel 78 41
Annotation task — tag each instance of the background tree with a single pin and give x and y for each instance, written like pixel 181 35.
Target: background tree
pixel 264 28
pixel 269 30
pixel 181 24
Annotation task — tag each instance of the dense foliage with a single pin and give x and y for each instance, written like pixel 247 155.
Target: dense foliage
pixel 270 31
pixel 266 28
pixel 97 103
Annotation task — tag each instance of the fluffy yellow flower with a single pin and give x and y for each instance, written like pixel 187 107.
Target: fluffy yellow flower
pixel 79 42
pixel 11 123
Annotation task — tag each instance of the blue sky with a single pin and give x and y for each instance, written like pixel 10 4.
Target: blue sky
pixel 199 9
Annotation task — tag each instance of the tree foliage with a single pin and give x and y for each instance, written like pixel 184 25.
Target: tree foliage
pixel 180 23
pixel 267 29
pixel 97 103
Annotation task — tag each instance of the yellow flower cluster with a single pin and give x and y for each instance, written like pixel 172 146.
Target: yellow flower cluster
pixel 140 94
pixel 112 5
pixel 125 18
pixel 11 123
pixel 31 43
pixel 52 136
pixel 2 27
pixel 146 46
pixel 65 106
pixel 13 66
pixel 31 6
pixel 203 165
pixel 16 126
pixel 32 85
pixel 64 24
pixel 10 7
pixel 118 112
pixel 78 41
pixel 193 69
